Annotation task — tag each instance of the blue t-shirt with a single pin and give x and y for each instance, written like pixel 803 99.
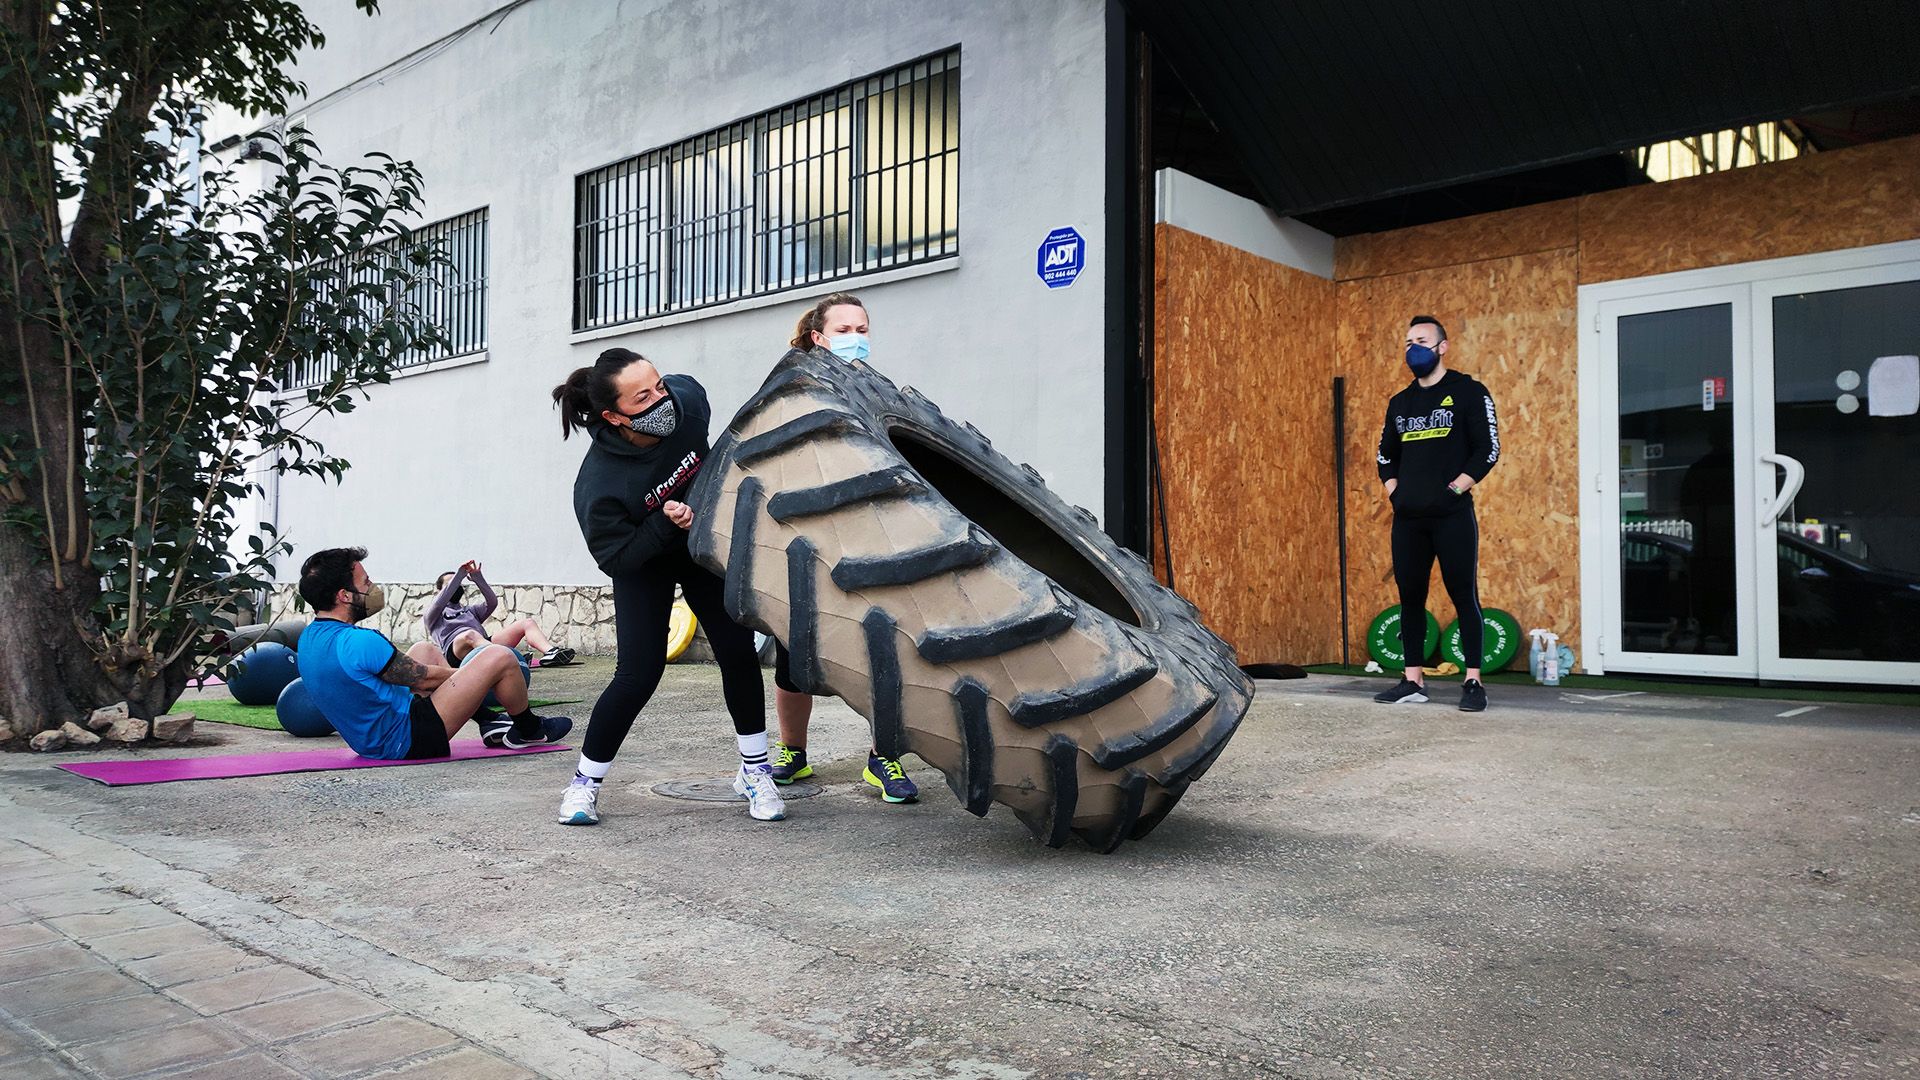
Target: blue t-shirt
pixel 341 665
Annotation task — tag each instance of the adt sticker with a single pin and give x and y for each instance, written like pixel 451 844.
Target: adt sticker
pixel 1063 254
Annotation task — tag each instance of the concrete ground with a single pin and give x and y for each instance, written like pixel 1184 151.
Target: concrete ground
pixel 1570 884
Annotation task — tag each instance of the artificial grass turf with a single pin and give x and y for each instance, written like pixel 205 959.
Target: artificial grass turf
pixel 262 716
pixel 1619 683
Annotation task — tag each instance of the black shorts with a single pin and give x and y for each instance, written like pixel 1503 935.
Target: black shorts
pixel 429 731
pixel 454 661
pixel 781 678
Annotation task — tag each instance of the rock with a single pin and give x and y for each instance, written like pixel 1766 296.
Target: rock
pixel 102 719
pixel 173 727
pixel 131 730
pixel 6 730
pixel 49 740
pixel 78 736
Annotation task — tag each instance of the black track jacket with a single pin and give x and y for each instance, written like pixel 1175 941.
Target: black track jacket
pixel 1433 434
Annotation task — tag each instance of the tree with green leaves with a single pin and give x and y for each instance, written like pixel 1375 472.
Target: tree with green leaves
pixel 152 307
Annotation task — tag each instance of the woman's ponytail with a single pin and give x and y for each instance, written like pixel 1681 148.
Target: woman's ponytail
pixel 590 391
pixel 576 409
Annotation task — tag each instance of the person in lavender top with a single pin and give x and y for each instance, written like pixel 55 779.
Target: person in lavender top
pixel 457 629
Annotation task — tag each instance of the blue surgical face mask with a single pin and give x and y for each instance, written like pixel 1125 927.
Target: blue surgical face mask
pixel 1421 360
pixel 848 346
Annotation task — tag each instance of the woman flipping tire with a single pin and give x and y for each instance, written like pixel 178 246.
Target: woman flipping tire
pixel 648 437
pixel 946 595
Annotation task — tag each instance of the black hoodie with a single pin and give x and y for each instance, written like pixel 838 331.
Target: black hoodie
pixel 1432 435
pixel 621 487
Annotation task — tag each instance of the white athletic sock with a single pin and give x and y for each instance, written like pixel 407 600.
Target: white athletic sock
pixel 595 771
pixel 753 749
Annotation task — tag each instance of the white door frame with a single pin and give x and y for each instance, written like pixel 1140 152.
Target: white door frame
pixel 1764 485
pixel 1606 571
pixel 1599 306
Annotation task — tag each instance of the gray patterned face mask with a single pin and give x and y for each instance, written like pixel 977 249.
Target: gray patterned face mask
pixel 657 420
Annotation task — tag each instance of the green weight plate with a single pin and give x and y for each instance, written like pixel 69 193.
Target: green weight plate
pixel 1383 638
pixel 1502 640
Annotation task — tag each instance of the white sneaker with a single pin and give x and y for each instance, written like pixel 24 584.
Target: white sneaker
pixel 580 805
pixel 763 796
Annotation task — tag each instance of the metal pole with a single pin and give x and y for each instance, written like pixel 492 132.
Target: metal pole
pixel 1340 505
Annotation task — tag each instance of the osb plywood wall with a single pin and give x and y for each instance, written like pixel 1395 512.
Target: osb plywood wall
pixel 1821 202
pixel 1246 351
pixel 1243 366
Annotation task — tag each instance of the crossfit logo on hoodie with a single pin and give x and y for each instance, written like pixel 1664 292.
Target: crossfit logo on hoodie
pixel 1437 424
pixel 689 465
pixel 1493 432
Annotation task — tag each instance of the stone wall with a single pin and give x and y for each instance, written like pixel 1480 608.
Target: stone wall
pixel 579 617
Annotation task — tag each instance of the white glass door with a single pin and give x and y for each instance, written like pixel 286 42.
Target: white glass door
pixel 1750 461
pixel 1837 429
pixel 1673 547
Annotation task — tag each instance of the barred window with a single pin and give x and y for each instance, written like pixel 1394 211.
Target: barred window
pixel 860 178
pixel 452 295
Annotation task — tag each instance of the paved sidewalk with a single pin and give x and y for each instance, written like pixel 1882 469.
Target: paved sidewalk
pixel 1570 884
pixel 98 983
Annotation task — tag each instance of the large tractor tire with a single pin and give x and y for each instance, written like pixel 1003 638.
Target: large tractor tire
pixel 961 607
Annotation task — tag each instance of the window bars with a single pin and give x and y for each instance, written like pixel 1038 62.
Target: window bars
pixel 451 296
pixel 860 178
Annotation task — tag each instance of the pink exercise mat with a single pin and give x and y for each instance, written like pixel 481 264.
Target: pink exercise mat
pixel 167 770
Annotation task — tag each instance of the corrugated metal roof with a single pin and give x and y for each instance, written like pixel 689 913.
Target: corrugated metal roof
pixel 1335 102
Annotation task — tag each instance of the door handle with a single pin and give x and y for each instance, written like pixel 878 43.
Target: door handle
pixel 1796 475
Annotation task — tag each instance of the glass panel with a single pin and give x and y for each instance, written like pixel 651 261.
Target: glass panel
pixel 911 169
pixel 620 272
pixel 1848 548
pixel 712 209
pixel 1677 570
pixel 809 230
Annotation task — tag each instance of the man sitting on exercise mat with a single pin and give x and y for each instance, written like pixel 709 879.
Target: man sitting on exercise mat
pixel 393 705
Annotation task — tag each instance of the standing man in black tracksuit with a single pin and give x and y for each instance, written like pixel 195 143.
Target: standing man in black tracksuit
pixel 1440 439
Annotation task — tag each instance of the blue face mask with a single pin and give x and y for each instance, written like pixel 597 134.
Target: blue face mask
pixel 1421 360
pixel 848 346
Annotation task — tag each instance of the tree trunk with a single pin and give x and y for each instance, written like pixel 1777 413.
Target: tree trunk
pixel 48 675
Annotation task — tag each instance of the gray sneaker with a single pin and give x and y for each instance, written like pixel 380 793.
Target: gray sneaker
pixel 581 803
pixel 757 786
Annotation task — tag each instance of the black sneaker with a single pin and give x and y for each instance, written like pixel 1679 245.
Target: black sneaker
pixel 790 764
pixel 1405 692
pixel 549 729
pixel 1473 696
pixel 494 726
pixel 556 657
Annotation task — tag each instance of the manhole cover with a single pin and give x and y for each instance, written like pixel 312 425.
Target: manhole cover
pixel 720 789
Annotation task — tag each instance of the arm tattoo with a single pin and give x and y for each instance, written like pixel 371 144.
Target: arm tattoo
pixel 403 670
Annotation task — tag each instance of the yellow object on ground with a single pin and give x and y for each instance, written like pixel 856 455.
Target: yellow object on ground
pixel 1446 667
pixel 680 627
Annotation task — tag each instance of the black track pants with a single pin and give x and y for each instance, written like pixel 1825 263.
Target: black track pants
pixel 1455 539
pixel 642 603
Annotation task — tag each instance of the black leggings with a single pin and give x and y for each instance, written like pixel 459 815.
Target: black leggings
pixel 1455 538
pixel 642 603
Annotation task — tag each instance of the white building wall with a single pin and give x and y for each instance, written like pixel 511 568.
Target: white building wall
pixel 468 461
